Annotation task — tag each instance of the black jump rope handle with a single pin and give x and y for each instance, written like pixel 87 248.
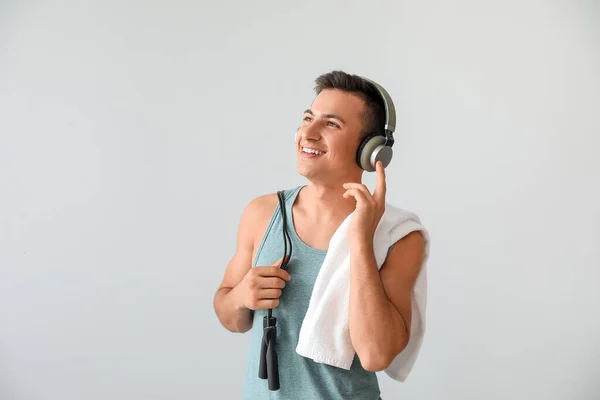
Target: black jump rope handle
pixel 268 367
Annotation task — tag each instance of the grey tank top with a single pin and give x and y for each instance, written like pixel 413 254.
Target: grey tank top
pixel 300 378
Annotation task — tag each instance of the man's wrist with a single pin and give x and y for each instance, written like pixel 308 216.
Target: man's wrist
pixel 235 300
pixel 362 244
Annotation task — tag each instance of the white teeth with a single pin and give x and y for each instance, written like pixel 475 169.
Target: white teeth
pixel 312 151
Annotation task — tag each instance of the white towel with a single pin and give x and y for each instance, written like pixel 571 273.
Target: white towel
pixel 324 335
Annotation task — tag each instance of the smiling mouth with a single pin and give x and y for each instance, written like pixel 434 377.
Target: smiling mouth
pixel 313 151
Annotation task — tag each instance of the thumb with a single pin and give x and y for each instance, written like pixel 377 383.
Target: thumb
pixel 281 260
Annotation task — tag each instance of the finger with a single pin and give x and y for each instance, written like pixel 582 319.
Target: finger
pixel 271 303
pixel 282 274
pixel 280 261
pixel 270 271
pixel 358 195
pixel 271 283
pixel 264 304
pixel 362 187
pixel 265 294
pixel 380 185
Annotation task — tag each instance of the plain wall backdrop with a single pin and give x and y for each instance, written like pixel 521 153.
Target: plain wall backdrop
pixel 132 135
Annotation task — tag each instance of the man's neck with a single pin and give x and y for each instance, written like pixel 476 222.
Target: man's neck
pixel 325 202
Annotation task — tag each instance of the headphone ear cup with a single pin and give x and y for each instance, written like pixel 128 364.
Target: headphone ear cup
pixel 367 148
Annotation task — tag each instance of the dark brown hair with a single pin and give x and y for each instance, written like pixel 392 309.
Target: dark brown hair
pixel 373 116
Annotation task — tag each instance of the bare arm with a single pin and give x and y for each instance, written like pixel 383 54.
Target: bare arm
pixel 380 300
pixel 244 288
pixel 230 310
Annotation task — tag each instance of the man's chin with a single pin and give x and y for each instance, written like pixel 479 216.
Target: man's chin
pixel 307 172
pixel 313 173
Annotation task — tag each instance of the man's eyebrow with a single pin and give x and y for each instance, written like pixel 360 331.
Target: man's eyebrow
pixel 334 116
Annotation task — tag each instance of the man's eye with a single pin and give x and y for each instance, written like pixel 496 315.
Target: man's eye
pixel 307 118
pixel 333 124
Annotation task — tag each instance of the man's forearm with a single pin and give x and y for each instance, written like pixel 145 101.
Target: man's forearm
pixel 375 325
pixel 232 314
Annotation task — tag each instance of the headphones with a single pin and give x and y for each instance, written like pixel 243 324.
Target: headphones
pixel 377 146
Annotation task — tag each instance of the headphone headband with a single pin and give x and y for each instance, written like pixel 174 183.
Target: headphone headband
pixel 390 111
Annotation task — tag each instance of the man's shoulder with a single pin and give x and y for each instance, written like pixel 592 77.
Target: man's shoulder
pixel 263 203
pixel 258 213
pixel 266 203
pixel 259 210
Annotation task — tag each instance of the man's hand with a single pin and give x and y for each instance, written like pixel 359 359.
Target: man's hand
pixel 369 207
pixel 261 287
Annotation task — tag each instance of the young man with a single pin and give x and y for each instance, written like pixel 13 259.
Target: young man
pixel 345 109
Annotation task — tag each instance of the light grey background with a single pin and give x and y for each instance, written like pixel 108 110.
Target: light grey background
pixel 132 134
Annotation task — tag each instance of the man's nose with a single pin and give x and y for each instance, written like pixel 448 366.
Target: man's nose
pixel 311 132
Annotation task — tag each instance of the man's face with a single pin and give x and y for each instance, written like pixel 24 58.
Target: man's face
pixel 332 126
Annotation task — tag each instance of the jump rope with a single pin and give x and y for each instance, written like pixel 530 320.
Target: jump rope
pixel 268 366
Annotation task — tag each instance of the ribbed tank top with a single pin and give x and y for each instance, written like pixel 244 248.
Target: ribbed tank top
pixel 300 378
